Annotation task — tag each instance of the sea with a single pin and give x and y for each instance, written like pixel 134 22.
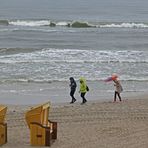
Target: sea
pixel 43 43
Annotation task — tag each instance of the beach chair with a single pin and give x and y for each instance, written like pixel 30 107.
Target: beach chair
pixel 3 125
pixel 42 131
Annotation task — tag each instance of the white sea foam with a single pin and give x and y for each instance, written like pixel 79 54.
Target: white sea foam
pixel 124 25
pixel 62 23
pixel 33 23
pixel 58 64
pixel 76 56
pixel 30 23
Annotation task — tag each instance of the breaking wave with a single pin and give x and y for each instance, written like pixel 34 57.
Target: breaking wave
pixel 53 55
pixel 65 80
pixel 4 22
pixel 75 24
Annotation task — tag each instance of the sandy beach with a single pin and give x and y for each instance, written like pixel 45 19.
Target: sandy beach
pixel 45 42
pixel 95 124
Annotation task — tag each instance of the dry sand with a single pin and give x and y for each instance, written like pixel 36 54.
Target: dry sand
pixel 93 125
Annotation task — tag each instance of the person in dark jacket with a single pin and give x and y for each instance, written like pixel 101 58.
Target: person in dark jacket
pixel 73 86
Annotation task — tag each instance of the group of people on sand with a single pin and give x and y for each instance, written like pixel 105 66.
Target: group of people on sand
pixel 84 88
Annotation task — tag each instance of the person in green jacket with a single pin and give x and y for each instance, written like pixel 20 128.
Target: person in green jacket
pixel 83 89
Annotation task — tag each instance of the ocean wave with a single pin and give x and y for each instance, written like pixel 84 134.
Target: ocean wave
pixel 9 51
pixel 3 61
pixel 4 22
pixel 67 80
pixel 74 24
pixel 30 23
pixel 31 80
pixel 124 25
pixel 51 55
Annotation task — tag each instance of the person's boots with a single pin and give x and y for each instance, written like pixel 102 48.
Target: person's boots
pixel 71 101
pixel 84 101
pixel 74 100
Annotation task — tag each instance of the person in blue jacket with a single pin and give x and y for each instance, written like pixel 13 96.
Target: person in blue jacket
pixel 73 86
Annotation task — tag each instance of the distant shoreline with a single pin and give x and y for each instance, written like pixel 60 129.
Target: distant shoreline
pixel 58 93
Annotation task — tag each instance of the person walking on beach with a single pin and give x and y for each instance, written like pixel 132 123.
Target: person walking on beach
pixel 118 88
pixel 83 90
pixel 73 86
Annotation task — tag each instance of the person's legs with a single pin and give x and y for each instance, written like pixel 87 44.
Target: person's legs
pixel 83 97
pixel 72 96
pixel 119 96
pixel 115 96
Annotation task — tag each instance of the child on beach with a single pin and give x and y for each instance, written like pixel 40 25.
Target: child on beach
pixel 73 86
pixel 118 87
pixel 83 90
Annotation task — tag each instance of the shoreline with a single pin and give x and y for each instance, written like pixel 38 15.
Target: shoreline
pixel 58 92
